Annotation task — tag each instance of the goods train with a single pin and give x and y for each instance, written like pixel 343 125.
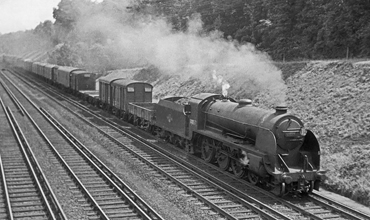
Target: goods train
pixel 269 148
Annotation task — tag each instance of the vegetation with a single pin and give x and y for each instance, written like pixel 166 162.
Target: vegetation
pixel 286 30
pixel 331 97
pixel 25 42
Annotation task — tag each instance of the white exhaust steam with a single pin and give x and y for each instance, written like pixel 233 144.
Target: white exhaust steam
pixel 128 41
pixel 220 81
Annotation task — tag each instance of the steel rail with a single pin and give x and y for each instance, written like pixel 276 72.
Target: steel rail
pixel 331 204
pixel 37 174
pixel 136 201
pixel 5 189
pixel 23 144
pixel 105 171
pixel 201 176
pixel 304 212
pixel 108 173
pixel 11 95
pixel 257 208
pixel 64 163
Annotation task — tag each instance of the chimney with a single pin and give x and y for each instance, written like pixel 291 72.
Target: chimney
pixel 281 109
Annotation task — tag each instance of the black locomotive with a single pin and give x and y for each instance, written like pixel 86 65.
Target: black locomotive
pixel 271 148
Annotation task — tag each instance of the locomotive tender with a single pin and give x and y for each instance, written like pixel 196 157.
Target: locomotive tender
pixel 270 148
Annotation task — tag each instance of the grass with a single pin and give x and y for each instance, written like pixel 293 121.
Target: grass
pixel 349 172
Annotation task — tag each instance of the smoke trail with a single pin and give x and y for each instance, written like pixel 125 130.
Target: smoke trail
pixel 151 41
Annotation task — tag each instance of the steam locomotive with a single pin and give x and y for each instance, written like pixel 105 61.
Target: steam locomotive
pixel 271 148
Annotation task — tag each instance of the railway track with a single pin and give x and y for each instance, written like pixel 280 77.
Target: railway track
pixel 25 192
pixel 106 194
pixel 287 208
pixel 209 194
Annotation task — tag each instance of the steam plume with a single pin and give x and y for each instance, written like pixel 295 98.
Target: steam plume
pixel 151 41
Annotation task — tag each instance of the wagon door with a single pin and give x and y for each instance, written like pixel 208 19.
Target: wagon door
pixel 117 97
pixel 85 81
pixel 106 93
pixel 139 92
pixel 109 94
pixel 122 98
pixel 54 74
pixel 130 95
pixel 101 89
pixel 113 94
pixel 148 93
pixel 71 79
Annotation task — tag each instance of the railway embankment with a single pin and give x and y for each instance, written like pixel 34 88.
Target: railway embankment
pixel 332 98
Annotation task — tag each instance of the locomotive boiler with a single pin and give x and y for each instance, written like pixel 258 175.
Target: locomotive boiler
pixel 242 120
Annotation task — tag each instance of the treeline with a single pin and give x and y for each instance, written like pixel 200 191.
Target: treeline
pixel 285 29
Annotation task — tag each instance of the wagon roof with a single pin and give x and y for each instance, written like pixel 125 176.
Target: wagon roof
pixel 127 82
pixel 51 65
pixel 68 68
pixel 110 78
pixel 80 71
pixel 120 74
pixel 42 64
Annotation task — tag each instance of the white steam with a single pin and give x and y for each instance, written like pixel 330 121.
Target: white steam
pixel 144 41
pixel 220 81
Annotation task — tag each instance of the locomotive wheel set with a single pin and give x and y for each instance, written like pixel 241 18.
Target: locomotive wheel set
pixel 270 148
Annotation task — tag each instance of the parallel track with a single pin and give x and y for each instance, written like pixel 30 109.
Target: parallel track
pixel 296 208
pixel 25 192
pixel 211 195
pixel 108 196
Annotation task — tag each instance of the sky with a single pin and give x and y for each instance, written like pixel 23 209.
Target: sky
pixel 20 15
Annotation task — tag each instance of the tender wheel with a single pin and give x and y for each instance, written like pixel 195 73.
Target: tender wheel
pixel 238 168
pixel 253 178
pixel 171 138
pixel 208 151
pixel 309 187
pixel 136 121
pixel 154 131
pixel 282 189
pixel 179 143
pixel 117 113
pixel 223 160
pixel 279 190
pixel 189 148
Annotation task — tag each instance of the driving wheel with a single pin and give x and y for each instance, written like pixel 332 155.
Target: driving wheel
pixel 223 160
